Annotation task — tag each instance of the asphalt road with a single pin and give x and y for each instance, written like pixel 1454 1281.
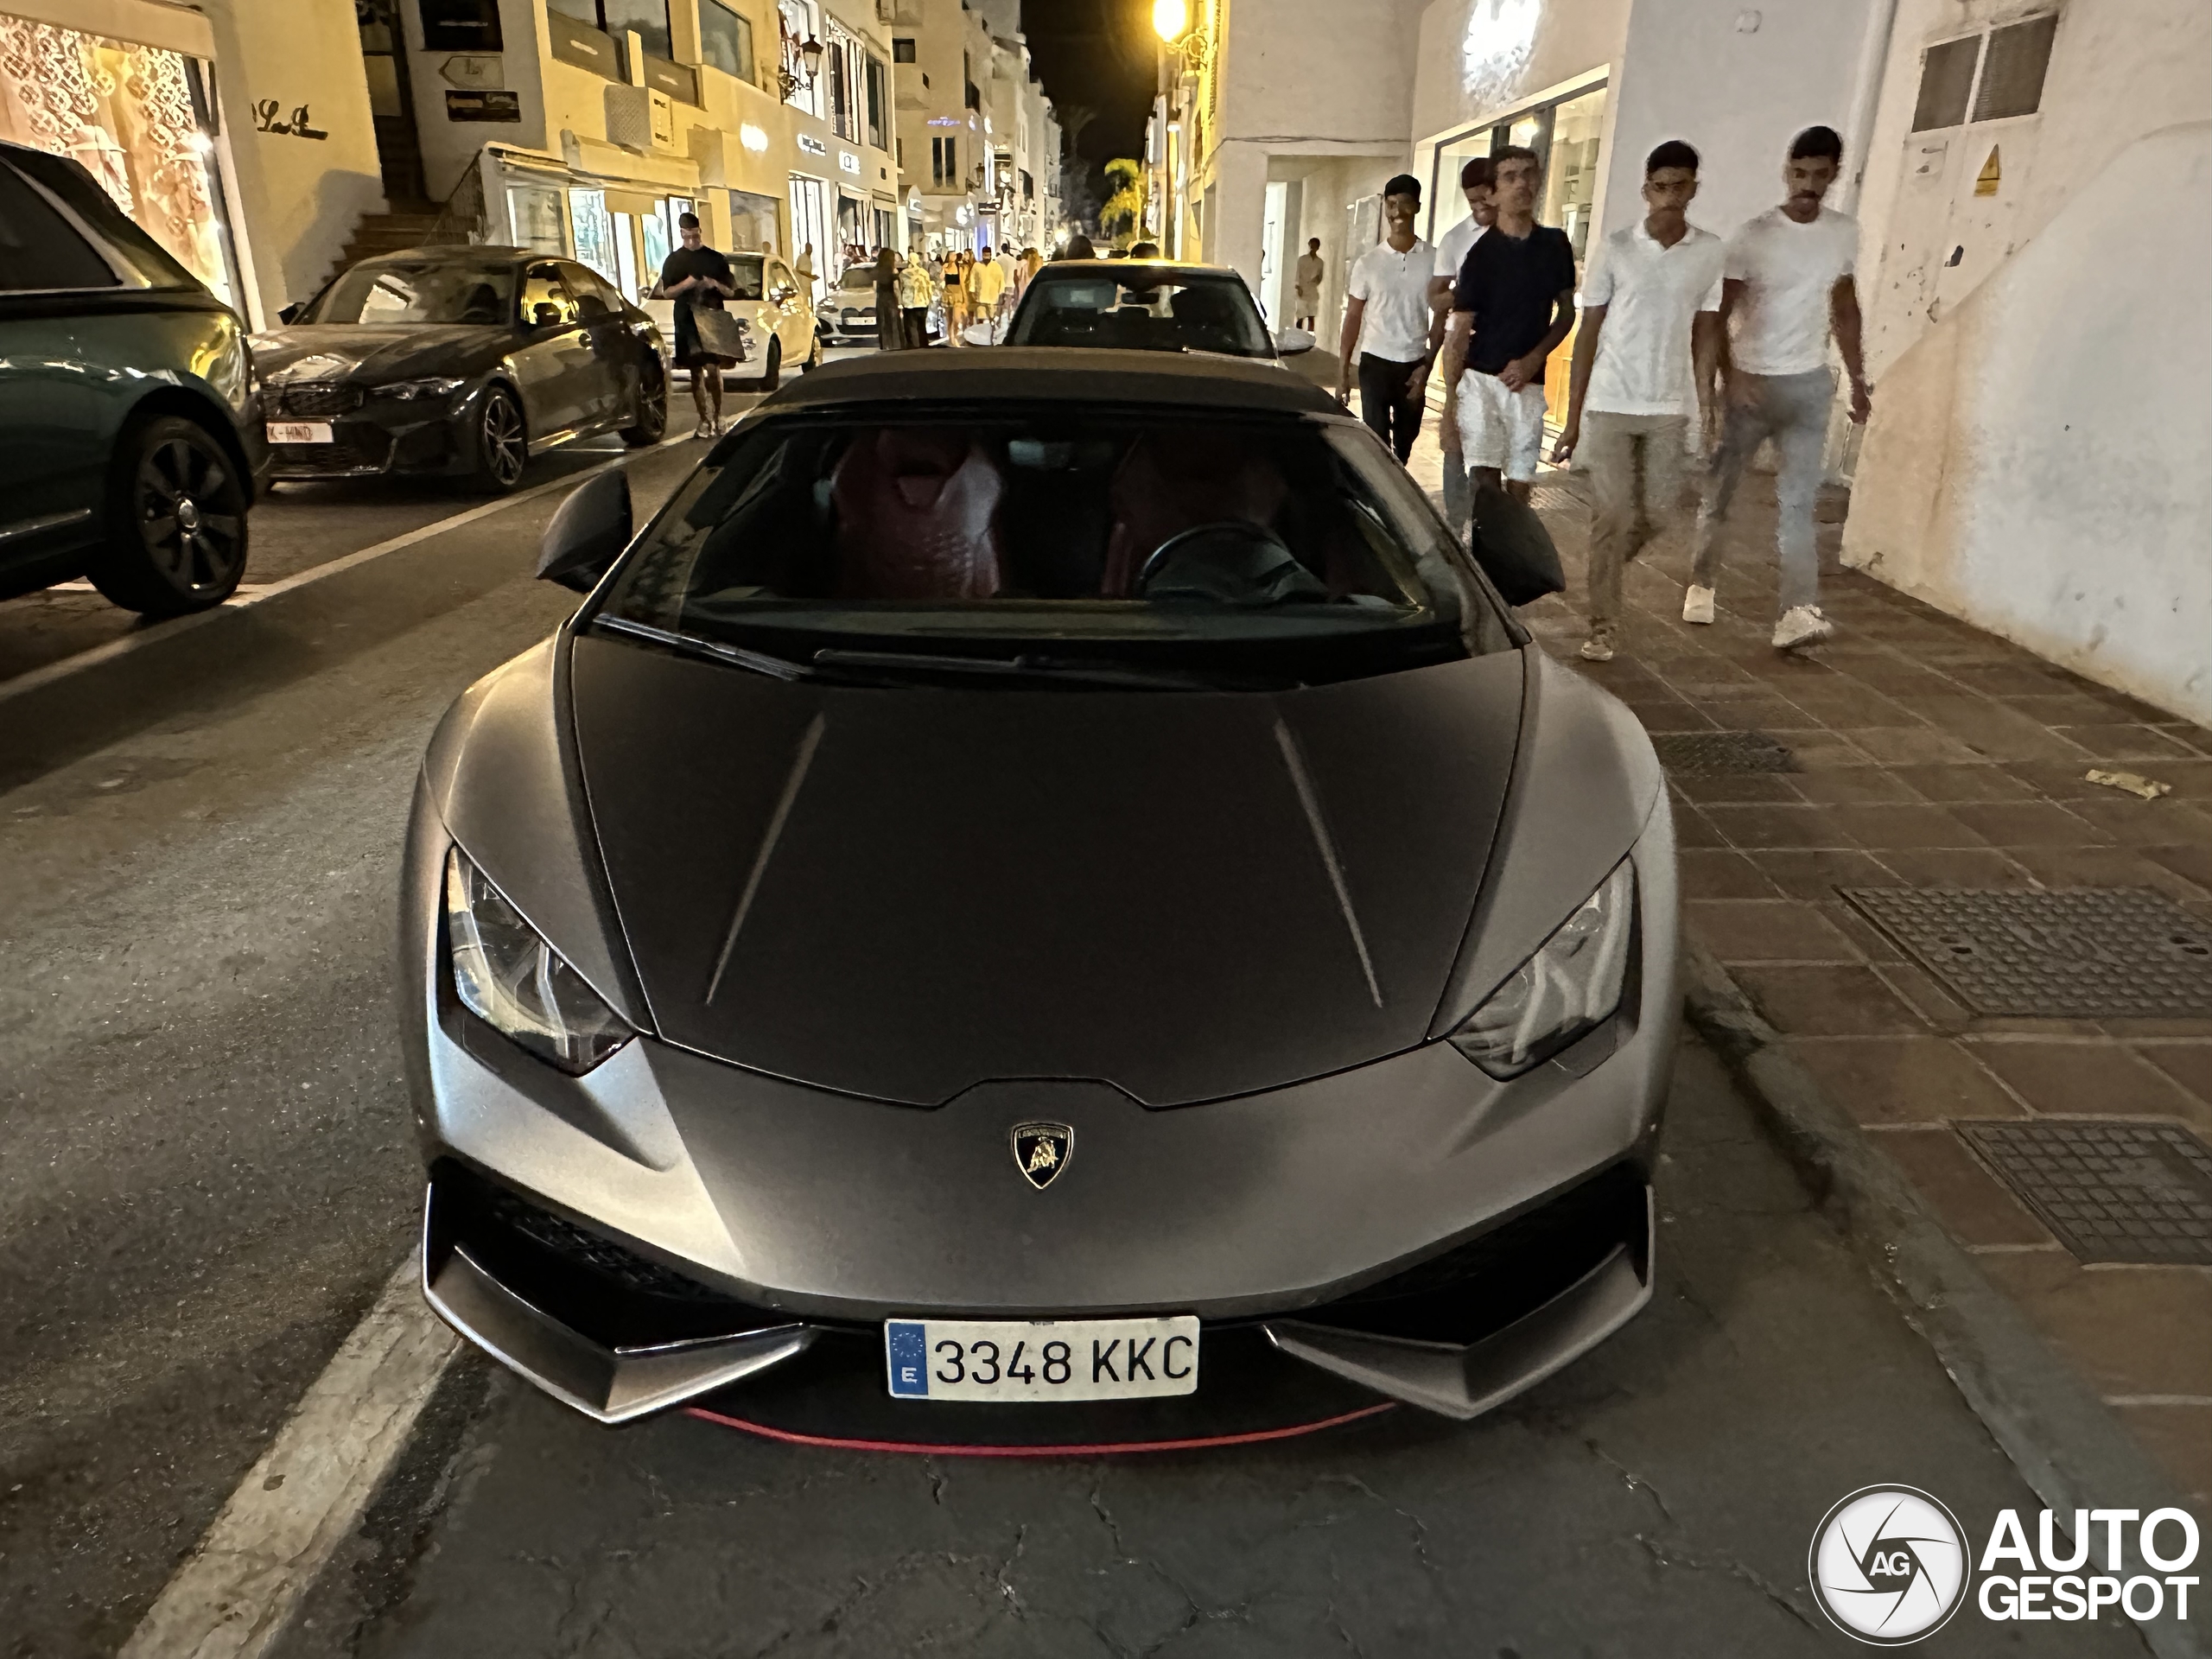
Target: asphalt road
pixel 206 1175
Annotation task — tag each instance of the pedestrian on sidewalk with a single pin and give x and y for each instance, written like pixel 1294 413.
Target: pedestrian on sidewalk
pixel 956 310
pixel 916 289
pixel 1386 323
pixel 1644 358
pixel 1789 283
pixel 986 286
pixel 890 325
pixel 1512 305
pixel 1306 284
pixel 698 278
pixel 1451 250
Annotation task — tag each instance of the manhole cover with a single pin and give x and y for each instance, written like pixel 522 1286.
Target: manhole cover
pixel 2087 953
pixel 2111 1191
pixel 1698 752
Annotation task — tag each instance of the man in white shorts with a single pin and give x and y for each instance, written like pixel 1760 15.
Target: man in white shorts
pixel 1643 362
pixel 1451 250
pixel 1513 304
pixel 1788 283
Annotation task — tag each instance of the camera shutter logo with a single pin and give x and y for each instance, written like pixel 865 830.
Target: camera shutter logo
pixel 1888 1565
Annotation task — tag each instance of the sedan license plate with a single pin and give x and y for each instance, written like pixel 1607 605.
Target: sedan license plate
pixel 1023 1360
pixel 299 431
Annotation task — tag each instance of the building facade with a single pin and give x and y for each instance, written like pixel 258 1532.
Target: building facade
pixel 1988 144
pixel 942 46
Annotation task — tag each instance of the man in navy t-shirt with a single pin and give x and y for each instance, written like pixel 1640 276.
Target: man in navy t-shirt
pixel 1512 306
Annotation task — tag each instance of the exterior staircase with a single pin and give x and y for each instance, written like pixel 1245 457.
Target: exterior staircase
pixel 414 224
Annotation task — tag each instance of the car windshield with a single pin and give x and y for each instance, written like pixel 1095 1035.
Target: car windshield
pixel 418 290
pixel 1237 550
pixel 745 275
pixel 858 278
pixel 1146 308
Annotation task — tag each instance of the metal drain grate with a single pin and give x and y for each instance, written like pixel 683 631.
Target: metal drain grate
pixel 2088 953
pixel 2111 1191
pixel 1700 754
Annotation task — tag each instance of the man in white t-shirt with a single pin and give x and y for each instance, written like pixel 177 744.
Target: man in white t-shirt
pixel 1476 180
pixel 1386 323
pixel 1789 281
pixel 1643 360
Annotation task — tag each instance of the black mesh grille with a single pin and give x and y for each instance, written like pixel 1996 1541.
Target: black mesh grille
pixel 1483 1284
pixel 319 399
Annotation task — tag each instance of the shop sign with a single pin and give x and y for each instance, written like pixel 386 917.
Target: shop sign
pixel 488 105
pixel 478 71
pixel 848 161
pixel 811 145
pixel 461 25
pixel 266 118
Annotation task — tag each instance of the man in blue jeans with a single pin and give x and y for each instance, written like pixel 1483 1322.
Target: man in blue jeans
pixel 1787 281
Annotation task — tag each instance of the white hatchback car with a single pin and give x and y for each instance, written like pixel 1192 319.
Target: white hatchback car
pixel 774 311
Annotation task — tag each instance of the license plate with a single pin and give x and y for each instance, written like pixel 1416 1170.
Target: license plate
pixel 1041 1359
pixel 299 431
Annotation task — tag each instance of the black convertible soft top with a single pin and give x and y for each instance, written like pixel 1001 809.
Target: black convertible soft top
pixel 1006 373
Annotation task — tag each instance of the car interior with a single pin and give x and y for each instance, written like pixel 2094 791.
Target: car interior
pixel 1224 513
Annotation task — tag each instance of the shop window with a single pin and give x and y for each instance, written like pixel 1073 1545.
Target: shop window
pixel 594 230
pixel 726 39
pixel 535 213
pixel 2012 71
pixel 1946 82
pixel 133 116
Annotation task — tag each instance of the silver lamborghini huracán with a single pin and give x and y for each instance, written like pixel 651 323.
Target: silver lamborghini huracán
pixel 1042 902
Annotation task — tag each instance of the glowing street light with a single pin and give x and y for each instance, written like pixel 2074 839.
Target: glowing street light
pixel 1170 18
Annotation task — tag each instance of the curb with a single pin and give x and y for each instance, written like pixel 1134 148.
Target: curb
pixel 2045 1419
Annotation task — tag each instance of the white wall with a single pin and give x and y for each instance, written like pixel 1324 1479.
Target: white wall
pixel 1740 95
pixel 449 147
pixel 1478 58
pixel 2040 461
pixel 300 198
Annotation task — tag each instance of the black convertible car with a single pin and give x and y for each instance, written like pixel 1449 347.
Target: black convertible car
pixel 460 361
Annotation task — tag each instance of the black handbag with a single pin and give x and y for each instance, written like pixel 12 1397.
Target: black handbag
pixel 1515 550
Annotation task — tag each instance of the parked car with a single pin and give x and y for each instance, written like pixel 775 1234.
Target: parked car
pixel 775 313
pixel 1147 305
pixel 1043 902
pixel 849 315
pixel 458 361
pixel 129 420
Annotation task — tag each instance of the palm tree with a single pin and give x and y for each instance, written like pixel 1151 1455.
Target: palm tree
pixel 1124 209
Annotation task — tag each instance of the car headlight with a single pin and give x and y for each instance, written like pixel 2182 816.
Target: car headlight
pixel 1569 987
pixel 509 978
pixel 437 387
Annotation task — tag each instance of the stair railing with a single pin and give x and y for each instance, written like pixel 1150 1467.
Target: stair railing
pixel 461 219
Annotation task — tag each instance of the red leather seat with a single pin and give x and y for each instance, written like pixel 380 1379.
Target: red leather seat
pixel 1165 486
pixel 917 515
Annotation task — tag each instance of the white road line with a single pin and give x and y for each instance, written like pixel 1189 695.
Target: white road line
pixel 236 1591
pixel 254 593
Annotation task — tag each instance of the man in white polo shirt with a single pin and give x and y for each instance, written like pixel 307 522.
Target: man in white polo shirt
pixel 1475 181
pixel 1386 323
pixel 1789 281
pixel 1643 359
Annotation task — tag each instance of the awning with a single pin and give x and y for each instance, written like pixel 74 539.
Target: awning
pixel 146 23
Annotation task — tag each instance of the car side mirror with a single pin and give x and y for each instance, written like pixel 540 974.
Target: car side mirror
pixel 291 313
pixel 588 533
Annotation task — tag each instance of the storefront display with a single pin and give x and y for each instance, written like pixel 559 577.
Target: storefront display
pixel 133 116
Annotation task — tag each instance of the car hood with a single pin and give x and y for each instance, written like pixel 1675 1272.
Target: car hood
pixel 332 351
pixel 901 894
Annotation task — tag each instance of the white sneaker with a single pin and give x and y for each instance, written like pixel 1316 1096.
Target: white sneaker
pixel 1803 625
pixel 1697 604
pixel 1599 647
pixel 704 430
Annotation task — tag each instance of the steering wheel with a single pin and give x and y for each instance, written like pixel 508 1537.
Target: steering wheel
pixel 1249 565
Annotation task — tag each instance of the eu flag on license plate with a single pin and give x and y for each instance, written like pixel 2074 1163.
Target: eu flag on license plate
pixel 907 1342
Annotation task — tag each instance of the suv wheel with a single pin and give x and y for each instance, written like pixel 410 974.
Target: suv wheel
pixel 176 538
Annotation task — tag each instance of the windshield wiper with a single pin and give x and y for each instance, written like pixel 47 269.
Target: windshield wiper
pixel 1030 667
pixel 759 662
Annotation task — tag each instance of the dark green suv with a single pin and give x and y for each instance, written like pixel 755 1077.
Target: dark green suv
pixel 130 440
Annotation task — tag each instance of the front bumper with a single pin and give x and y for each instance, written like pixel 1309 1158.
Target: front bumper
pixel 423 437
pixel 1364 1234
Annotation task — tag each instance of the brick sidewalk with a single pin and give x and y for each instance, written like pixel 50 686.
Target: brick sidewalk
pixel 1924 754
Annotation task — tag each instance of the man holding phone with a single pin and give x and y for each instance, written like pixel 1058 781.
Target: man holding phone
pixel 697 278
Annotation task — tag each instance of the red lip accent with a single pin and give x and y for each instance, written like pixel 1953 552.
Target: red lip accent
pixel 918 1449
